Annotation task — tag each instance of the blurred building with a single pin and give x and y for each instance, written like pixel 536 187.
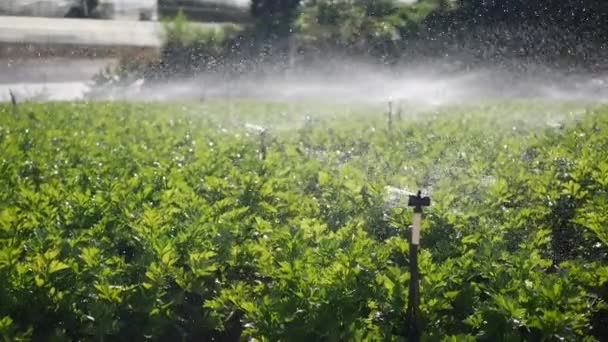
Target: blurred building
pixel 148 10
pixel 47 28
pixel 104 9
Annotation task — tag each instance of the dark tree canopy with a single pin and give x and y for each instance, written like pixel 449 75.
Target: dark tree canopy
pixel 571 11
pixel 273 8
pixel 275 15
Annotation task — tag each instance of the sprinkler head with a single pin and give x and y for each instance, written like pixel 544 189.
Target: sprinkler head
pixel 417 201
pixel 256 128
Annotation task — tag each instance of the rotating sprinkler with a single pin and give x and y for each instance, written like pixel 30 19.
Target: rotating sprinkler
pixel 413 305
pixel 418 202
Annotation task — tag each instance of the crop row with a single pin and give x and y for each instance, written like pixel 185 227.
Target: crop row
pixel 162 222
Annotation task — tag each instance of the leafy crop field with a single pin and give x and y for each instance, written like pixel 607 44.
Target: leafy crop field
pixel 163 222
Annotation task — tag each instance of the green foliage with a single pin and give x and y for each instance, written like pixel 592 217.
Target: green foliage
pixel 180 32
pixel 130 220
pixel 377 28
pixel 364 26
pixel 187 47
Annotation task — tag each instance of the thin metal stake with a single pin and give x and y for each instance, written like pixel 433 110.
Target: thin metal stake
pixel 399 113
pixel 15 107
pixel 263 148
pixel 13 98
pixel 390 115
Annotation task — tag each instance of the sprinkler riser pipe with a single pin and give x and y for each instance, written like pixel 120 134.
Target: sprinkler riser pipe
pixel 416 225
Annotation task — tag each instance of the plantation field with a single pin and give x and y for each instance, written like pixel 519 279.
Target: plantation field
pixel 171 222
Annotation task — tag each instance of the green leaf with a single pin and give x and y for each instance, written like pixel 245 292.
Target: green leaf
pixel 324 178
pixel 56 266
pixel 5 324
pixel 471 239
pixel 451 295
pixel 90 256
pixel 39 281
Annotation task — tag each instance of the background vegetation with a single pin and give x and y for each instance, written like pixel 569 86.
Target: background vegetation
pixel 514 33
